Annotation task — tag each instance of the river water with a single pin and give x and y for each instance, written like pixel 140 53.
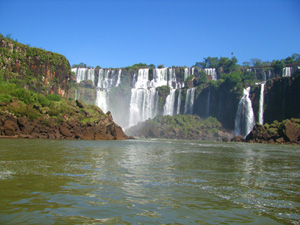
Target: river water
pixel 148 182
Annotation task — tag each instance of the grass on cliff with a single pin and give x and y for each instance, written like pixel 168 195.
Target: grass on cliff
pixel 25 103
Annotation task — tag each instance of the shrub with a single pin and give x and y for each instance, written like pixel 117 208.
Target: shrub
pixel 54 97
pixel 5 98
pixel 24 95
pixel 43 100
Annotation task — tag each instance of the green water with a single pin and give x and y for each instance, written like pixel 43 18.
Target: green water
pixel 148 182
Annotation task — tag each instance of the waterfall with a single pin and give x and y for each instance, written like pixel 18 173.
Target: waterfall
pixel 208 104
pixel 211 72
pixel 119 77
pixel 188 72
pixel 106 81
pixel 84 74
pixel 91 75
pixel 160 77
pixel 144 97
pixel 286 72
pixel 261 105
pixel 189 101
pixel 178 102
pixel 244 119
pixel 170 101
pixel 101 100
pixel 265 75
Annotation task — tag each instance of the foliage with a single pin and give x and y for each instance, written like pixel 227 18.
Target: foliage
pixel 54 97
pixel 278 67
pixel 137 66
pixel 26 103
pixel 186 125
pixel 248 77
pixel 163 90
pixel 232 80
pixel 80 65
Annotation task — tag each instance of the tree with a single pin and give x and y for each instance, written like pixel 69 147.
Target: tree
pixel 256 62
pixel 226 65
pixel 278 67
pixel 160 66
pixel 209 62
pixel 233 80
pixel 203 77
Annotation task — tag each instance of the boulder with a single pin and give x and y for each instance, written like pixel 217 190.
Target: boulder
pixel 238 138
pixel 10 128
pixel 65 131
pixel 292 131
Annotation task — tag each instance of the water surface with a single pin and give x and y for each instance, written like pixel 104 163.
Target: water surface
pixel 148 182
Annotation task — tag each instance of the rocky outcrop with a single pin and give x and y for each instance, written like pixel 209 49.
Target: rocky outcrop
pixel 22 127
pixel 34 68
pixel 286 132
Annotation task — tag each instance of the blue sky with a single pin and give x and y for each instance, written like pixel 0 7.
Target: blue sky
pixel 116 33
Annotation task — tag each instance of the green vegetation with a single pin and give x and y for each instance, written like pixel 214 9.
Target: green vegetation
pixel 181 127
pixel 139 66
pixel 80 65
pixel 20 102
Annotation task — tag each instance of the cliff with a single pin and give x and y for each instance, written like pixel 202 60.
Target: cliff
pixel 33 68
pixel 34 86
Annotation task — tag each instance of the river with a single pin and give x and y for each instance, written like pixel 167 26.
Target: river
pixel 148 182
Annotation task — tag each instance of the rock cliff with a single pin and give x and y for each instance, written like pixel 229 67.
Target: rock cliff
pixel 34 68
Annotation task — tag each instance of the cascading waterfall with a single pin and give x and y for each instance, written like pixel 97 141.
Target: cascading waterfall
pixel 244 119
pixel 119 78
pixel 106 81
pixel 188 72
pixel 144 97
pixel 101 100
pixel 170 101
pixel 211 72
pixel 286 72
pixel 84 74
pixel 261 104
pixel 189 101
pixel 160 77
pixel 265 75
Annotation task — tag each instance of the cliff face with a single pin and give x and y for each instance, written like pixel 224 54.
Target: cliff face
pixel 281 99
pixel 220 102
pixel 33 68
